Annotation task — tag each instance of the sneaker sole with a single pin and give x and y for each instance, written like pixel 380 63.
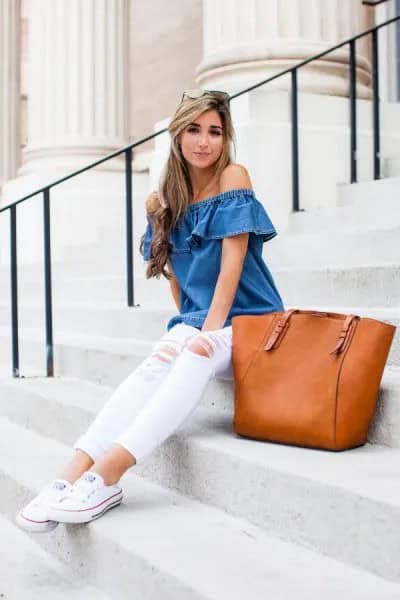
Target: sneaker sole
pixel 100 514
pixel 85 515
pixel 34 526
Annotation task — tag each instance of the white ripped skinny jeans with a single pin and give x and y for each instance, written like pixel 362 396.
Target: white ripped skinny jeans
pixel 155 399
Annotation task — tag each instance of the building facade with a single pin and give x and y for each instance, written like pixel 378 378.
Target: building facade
pixel 82 78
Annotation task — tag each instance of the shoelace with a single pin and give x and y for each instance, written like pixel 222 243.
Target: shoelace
pixel 54 485
pixel 58 485
pixel 85 486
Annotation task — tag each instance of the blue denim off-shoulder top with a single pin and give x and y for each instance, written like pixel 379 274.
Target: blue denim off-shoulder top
pixel 196 256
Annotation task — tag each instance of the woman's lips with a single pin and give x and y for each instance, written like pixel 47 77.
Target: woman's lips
pixel 201 154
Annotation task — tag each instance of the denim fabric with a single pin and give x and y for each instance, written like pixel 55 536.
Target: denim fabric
pixel 196 256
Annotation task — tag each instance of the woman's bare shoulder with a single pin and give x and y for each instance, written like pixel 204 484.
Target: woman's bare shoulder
pixel 234 176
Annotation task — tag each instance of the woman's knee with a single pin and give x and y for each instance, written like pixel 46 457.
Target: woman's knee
pixel 204 343
pixel 166 350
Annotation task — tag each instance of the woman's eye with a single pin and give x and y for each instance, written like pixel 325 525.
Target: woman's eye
pixel 194 130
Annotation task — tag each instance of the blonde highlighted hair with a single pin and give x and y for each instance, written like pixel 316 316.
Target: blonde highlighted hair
pixel 166 205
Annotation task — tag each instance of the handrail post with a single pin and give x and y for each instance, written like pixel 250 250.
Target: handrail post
pixel 14 291
pixel 376 120
pixel 47 273
pixel 353 114
pixel 129 228
pixel 295 143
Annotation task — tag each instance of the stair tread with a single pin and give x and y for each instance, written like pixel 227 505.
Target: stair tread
pixel 129 347
pixel 392 266
pixel 119 343
pixel 27 571
pixel 166 312
pixel 186 539
pixel 357 470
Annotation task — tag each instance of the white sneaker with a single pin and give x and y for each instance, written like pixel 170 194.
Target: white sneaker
pixel 89 499
pixel 33 517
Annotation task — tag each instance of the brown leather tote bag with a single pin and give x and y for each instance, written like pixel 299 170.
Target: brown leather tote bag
pixel 308 378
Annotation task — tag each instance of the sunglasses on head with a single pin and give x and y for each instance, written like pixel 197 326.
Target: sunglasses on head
pixel 198 93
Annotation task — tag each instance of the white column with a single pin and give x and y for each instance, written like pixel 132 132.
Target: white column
pixel 9 88
pixel 78 99
pixel 78 81
pixel 387 51
pixel 245 42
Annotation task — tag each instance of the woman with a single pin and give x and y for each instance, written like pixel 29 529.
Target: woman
pixel 206 225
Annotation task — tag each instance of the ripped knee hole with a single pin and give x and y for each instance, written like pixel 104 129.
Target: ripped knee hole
pixel 166 351
pixel 202 344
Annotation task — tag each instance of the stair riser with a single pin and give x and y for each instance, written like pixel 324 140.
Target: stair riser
pixel 366 287
pixel 358 286
pixel 86 363
pixel 385 425
pixel 296 510
pixel 126 322
pixel 280 503
pixel 93 289
pixel 79 361
pixel 370 205
pixel 307 251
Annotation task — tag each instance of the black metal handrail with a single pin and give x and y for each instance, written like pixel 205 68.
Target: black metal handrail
pixel 373 2
pixel 127 151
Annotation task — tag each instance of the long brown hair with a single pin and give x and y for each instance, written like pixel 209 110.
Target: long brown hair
pixel 170 202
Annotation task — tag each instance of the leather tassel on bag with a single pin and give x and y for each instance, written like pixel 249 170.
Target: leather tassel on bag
pixel 308 378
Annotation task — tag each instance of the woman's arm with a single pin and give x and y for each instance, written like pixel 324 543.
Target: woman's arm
pixel 233 253
pixel 174 285
pixel 234 250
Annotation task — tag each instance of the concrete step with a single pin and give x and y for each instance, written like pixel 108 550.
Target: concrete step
pixel 28 572
pixel 39 393
pixel 100 288
pixel 159 543
pixel 82 262
pixel 368 290
pixel 109 327
pixel 361 270
pixel 96 358
pixel 107 361
pixel 369 286
pixel 366 205
pixel 337 249
pixel 310 497
pixel 206 461
pixel 356 286
pixel 110 319
pixel 102 318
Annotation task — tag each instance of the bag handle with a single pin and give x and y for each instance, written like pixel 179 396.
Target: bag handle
pixel 281 327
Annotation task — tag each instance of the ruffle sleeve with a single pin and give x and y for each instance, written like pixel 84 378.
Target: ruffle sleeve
pixel 231 213
pixel 148 236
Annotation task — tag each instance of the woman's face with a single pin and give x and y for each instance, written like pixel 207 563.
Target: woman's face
pixel 202 140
